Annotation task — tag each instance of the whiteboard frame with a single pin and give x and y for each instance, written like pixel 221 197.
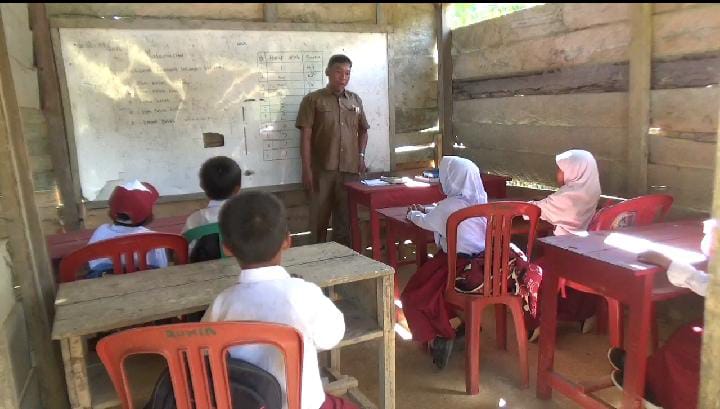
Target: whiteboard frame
pixel 140 23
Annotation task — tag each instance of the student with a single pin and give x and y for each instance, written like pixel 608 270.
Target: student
pixel 220 178
pixel 427 313
pixel 255 231
pixel 131 206
pixel 570 210
pixel 673 371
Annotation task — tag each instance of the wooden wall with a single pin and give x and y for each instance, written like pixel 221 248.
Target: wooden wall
pixel 413 70
pixel 531 84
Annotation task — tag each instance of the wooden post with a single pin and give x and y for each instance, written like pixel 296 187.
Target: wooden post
pixel 28 252
pixel 52 108
pixel 445 100
pixel 710 371
pixel 639 97
pixel 270 11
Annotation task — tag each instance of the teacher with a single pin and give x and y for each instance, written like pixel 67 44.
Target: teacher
pixel 333 137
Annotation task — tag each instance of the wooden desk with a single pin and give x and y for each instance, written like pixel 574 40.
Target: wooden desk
pixel 62 244
pixel 377 197
pixel 86 307
pixel 613 271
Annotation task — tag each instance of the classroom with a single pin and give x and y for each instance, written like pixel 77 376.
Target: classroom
pixel 311 205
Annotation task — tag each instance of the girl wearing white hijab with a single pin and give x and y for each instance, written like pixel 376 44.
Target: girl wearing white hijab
pixel 423 299
pixel 572 207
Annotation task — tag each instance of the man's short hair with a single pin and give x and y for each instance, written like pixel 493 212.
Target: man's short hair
pixel 339 59
pixel 220 177
pixel 253 225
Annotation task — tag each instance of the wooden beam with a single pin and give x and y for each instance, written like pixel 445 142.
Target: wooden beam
pixel 445 76
pixel 710 369
pixel 51 105
pixel 639 97
pixel 270 12
pixel 29 258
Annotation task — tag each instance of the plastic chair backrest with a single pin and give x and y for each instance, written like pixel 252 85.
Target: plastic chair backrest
pixel 123 248
pixel 192 346
pixel 499 216
pixel 202 231
pixel 638 211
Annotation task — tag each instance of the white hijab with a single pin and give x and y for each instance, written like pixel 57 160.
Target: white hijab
pixel 460 181
pixel 572 207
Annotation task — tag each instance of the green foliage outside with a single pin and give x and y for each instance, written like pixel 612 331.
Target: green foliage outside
pixel 463 14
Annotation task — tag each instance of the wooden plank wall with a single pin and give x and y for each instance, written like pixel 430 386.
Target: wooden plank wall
pixel 534 83
pixel 410 55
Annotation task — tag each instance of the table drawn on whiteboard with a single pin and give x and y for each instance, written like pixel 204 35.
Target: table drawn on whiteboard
pixel 142 100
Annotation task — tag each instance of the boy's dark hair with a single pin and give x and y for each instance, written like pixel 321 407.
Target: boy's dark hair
pixel 254 225
pixel 339 59
pixel 219 177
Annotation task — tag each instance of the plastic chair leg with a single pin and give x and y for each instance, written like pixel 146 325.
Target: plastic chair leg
pixel 655 337
pixel 522 340
pixel 501 326
pixel 472 350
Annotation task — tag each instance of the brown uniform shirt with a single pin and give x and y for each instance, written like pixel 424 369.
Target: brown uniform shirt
pixel 335 123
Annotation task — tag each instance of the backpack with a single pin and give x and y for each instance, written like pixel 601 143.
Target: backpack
pixel 206 248
pixel 251 387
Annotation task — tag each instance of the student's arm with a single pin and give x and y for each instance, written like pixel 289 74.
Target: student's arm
pixel 679 274
pixel 324 321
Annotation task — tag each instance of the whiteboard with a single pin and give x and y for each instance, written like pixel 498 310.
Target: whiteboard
pixel 141 101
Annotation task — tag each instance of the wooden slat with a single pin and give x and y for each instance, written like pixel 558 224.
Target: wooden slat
pixel 604 143
pixel 685 110
pixel 687 31
pixel 596 45
pixel 604 110
pixel 359 327
pixel 689 186
pixel 236 11
pixel 681 152
pixel 690 72
pixel 582 15
pixel 270 12
pixel 52 108
pixel 445 75
pixel 639 97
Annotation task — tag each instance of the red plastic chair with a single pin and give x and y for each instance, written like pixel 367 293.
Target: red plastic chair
pixel 638 211
pixel 499 217
pixel 188 346
pixel 126 246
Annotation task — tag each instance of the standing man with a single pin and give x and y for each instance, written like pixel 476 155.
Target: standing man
pixel 333 137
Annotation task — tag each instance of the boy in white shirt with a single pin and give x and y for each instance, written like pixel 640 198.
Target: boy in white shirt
pixel 130 208
pixel 220 179
pixel 255 231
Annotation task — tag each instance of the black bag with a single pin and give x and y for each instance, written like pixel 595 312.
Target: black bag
pixel 206 248
pixel 251 387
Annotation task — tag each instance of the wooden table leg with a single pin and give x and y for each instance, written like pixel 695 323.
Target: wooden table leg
pixel 548 325
pixel 375 231
pixel 74 354
pixel 386 379
pixel 354 223
pixel 637 342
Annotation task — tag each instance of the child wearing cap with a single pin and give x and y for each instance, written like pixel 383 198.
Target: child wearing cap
pixel 131 206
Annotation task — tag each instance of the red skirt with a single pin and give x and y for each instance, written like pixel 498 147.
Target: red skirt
pixel 423 300
pixel 333 402
pixel 673 371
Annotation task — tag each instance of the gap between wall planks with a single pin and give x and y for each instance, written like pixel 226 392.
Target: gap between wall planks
pixel 28 252
pixel 52 109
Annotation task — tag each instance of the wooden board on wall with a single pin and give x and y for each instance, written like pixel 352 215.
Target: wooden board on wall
pixel 686 31
pixel 690 187
pixel 681 152
pixel 685 109
pixel 602 110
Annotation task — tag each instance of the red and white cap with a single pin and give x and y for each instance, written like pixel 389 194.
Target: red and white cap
pixel 132 202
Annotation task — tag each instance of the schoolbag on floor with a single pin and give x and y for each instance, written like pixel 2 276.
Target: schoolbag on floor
pixel 251 387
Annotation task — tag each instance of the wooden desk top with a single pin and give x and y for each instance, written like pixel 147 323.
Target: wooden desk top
pixel 620 247
pixel 89 306
pixel 360 187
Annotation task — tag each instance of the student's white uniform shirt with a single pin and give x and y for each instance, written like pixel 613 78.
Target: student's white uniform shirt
pixel 269 294
pixel 686 276
pixel 201 217
pixel 204 216
pixel 461 182
pixel 157 258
